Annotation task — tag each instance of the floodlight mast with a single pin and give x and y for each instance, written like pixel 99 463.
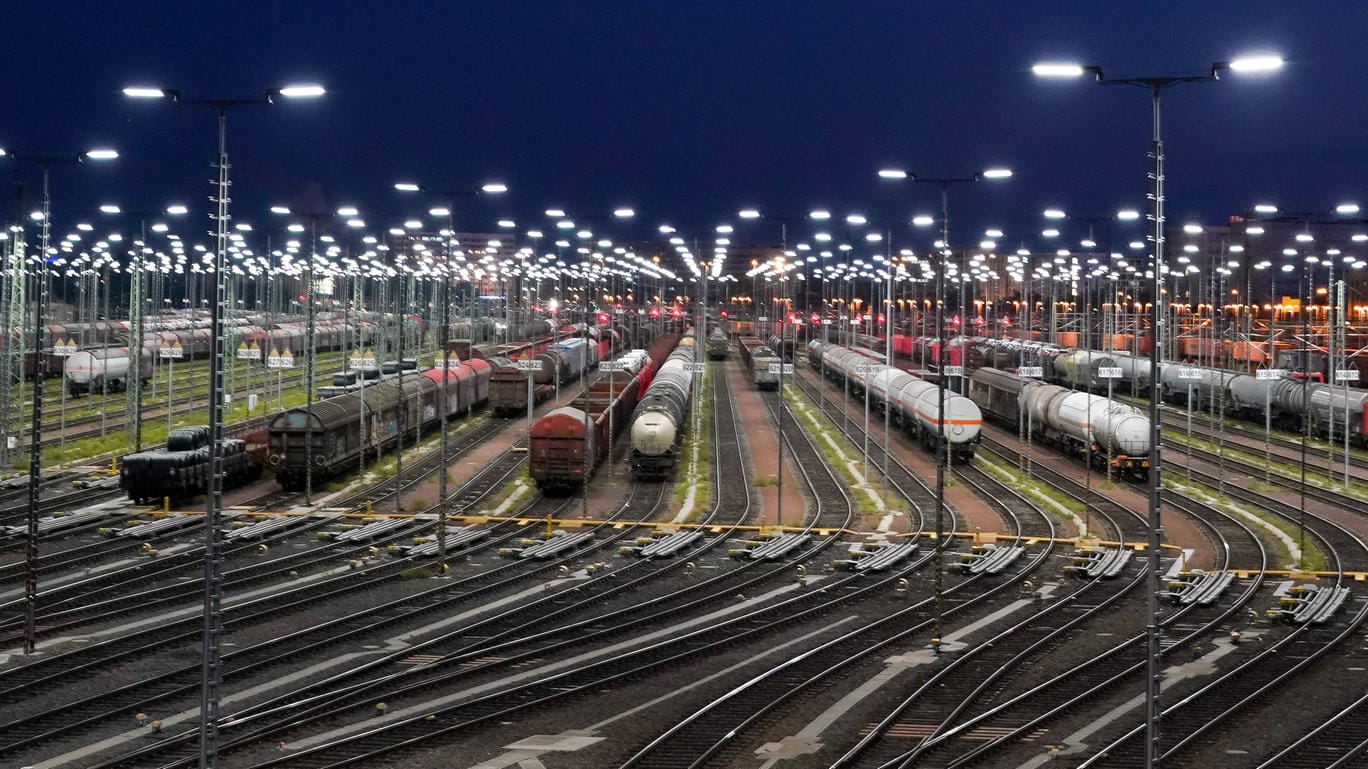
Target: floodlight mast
pixel 210 668
pixel 1155 86
pixel 36 434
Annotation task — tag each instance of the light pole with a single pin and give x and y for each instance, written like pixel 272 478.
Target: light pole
pixel 443 332
pixel 1156 86
pixel 942 446
pixel 211 675
pixel 36 434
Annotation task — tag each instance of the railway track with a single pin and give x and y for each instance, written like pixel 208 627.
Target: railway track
pixel 532 629
pixel 1199 717
pixel 993 721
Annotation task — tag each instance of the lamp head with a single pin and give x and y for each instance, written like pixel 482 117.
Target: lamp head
pixel 299 91
pixel 1059 69
pixel 149 92
pixel 1250 65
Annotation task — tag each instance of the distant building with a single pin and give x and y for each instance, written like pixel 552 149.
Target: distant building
pixel 1268 257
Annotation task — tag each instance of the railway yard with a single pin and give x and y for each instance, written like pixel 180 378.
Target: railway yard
pixel 681 553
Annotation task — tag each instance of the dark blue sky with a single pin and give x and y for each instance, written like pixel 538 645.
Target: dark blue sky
pixel 690 110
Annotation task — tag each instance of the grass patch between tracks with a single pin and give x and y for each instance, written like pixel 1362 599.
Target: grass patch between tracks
pixel 1283 531
pixel 1045 496
pixel 1315 476
pixel 694 471
pixel 806 413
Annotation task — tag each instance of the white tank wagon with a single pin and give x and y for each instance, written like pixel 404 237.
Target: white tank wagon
pixel 1330 406
pixel 912 403
pixel 1078 423
pixel 1283 404
pixel 103 369
pixel 1209 386
pixel 1135 371
pixel 660 418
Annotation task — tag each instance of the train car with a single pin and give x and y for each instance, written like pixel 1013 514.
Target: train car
pixel 1080 369
pixel 1077 423
pixel 369 421
pixel 566 446
pixel 758 357
pixel 181 472
pixel 718 345
pixel 912 404
pixel 1208 387
pixel 566 361
pixel 784 347
pixel 508 388
pixel 101 370
pixel 659 419
pixel 43 363
pixel 1287 403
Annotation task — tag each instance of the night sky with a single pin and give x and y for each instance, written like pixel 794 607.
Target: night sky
pixel 688 111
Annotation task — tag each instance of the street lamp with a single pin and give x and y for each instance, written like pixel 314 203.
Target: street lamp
pixel 942 438
pixel 1156 85
pixel 39 320
pixel 443 334
pixel 211 675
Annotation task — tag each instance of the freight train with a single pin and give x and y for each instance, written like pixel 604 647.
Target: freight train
pixel 718 345
pixel 346 428
pixel 182 471
pixel 661 415
pixel 912 404
pixel 1077 423
pixel 1289 402
pixel 107 368
pixel 566 446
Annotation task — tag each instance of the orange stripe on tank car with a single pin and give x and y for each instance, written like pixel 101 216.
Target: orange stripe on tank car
pixel 928 418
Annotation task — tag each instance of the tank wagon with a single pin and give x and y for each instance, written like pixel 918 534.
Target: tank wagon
pixel 181 472
pixel 1077 423
pixel 913 404
pixel 1288 402
pixel 659 420
pixel 785 347
pixel 107 367
pixel 566 446
pixel 370 421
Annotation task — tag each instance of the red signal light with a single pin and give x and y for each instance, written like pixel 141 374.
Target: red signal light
pixel 655 312
pixel 602 318
pixel 675 313
pixel 724 313
pixel 815 318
